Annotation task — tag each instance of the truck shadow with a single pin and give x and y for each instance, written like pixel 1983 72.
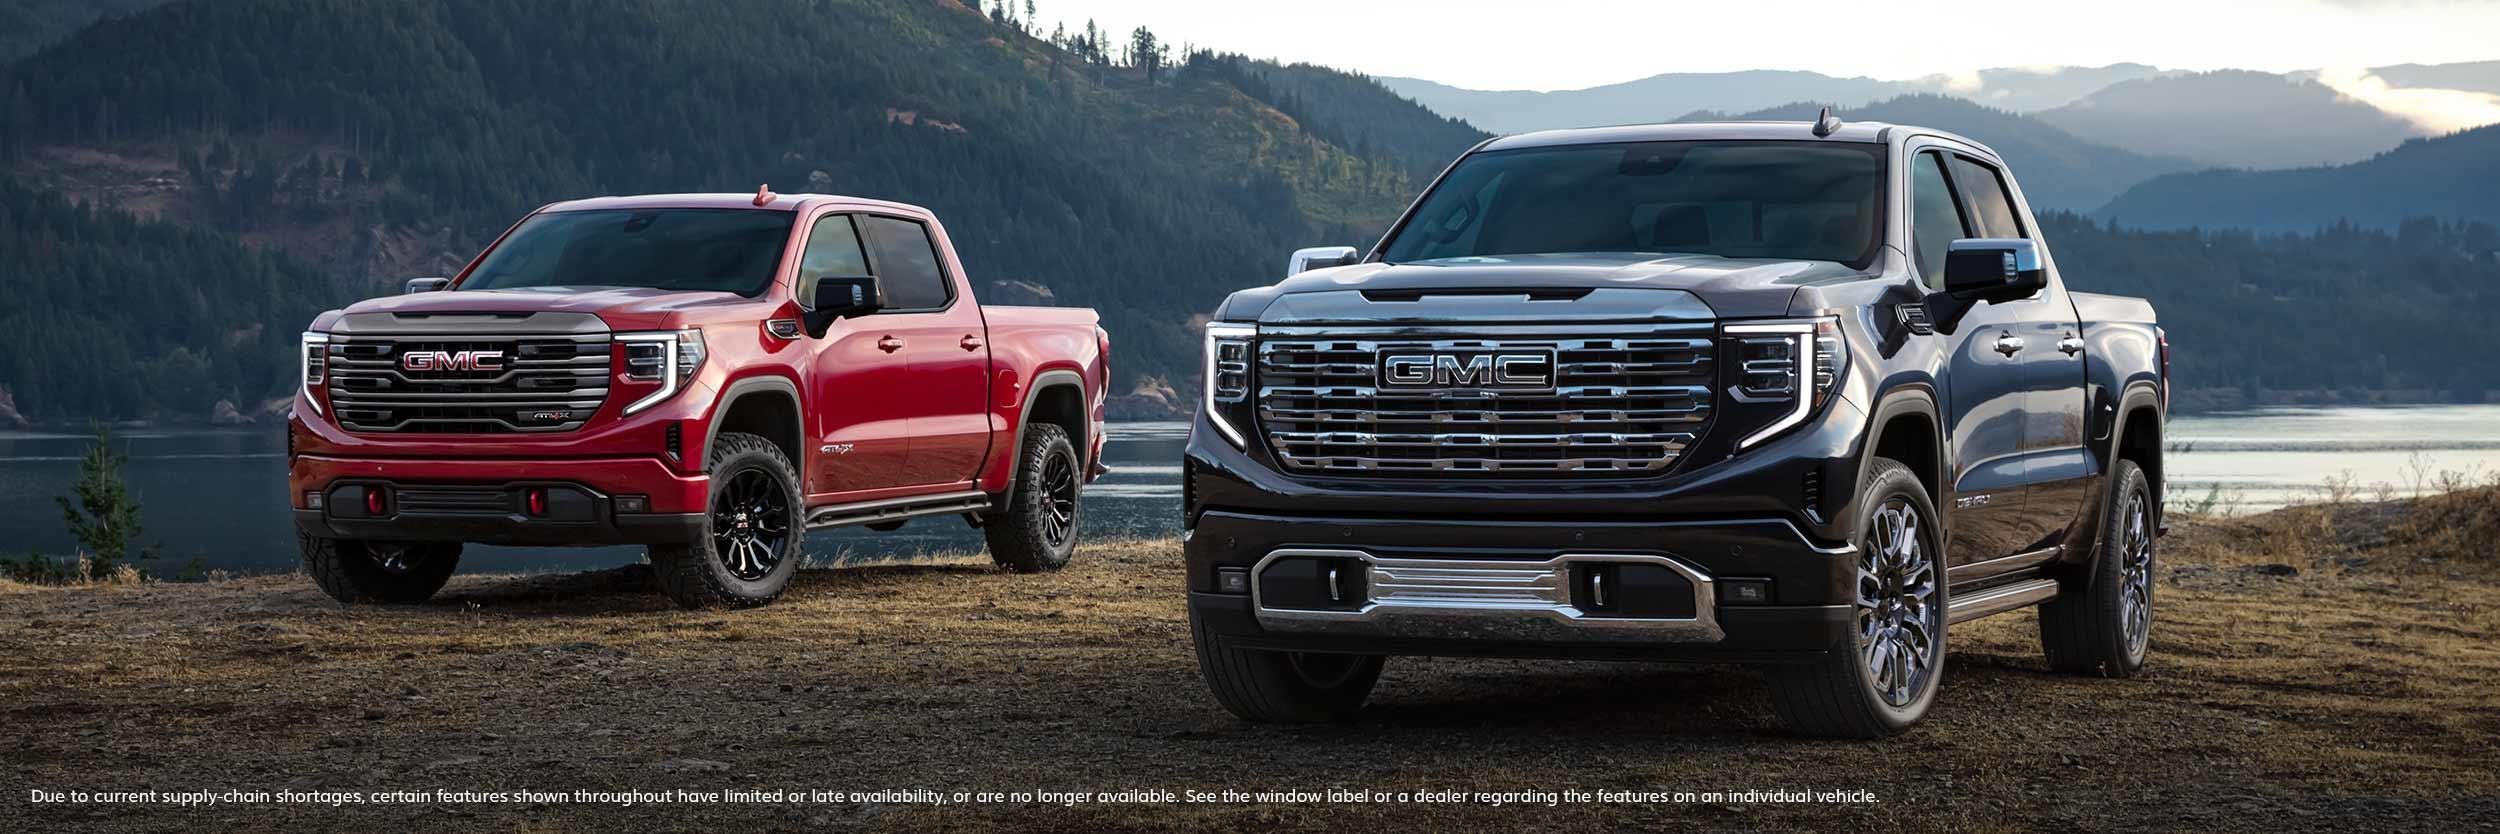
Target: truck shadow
pixel 632 588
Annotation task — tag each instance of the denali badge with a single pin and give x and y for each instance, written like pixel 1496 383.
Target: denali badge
pixel 1496 371
pixel 444 360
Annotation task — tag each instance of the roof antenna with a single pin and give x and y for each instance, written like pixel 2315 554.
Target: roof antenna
pixel 764 195
pixel 1826 124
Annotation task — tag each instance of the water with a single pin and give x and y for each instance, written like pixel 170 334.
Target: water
pixel 220 496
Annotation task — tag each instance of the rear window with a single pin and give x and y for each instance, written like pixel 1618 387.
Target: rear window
pixel 1738 199
pixel 725 250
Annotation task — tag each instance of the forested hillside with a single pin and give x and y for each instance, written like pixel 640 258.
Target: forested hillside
pixel 28 25
pixel 1100 167
pixel 2454 178
pixel 2057 170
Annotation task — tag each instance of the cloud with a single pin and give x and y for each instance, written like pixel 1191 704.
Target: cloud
pixel 2435 111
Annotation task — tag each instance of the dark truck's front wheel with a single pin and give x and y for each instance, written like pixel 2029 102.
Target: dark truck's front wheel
pixel 396 573
pixel 1885 677
pixel 1284 687
pixel 749 549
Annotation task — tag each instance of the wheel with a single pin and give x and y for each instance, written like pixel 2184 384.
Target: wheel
pixel 1284 687
pixel 2102 619
pixel 1037 532
pixel 750 544
pixel 392 573
pixel 1886 676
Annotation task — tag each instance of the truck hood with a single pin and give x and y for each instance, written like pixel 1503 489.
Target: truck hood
pixel 621 306
pixel 1722 287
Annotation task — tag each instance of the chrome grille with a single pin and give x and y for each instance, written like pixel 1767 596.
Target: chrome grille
pixel 549 383
pixel 1624 401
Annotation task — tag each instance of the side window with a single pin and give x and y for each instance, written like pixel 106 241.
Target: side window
pixel 907 264
pixel 832 252
pixel 1992 204
pixel 1935 217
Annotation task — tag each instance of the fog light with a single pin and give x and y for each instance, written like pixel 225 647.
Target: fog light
pixel 1745 591
pixel 1232 580
pixel 536 499
pixel 312 500
pixel 374 501
pixel 633 503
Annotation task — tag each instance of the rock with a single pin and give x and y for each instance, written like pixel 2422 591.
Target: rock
pixel 1152 399
pixel 224 414
pixel 9 418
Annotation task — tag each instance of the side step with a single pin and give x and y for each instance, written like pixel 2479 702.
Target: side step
pixel 897 509
pixel 2001 599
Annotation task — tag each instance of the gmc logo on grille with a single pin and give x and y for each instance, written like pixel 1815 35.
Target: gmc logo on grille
pixel 1487 370
pixel 445 360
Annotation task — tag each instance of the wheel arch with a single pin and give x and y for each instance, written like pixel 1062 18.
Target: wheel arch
pixel 765 406
pixel 1056 397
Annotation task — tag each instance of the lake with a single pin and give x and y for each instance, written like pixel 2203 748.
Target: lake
pixel 218 496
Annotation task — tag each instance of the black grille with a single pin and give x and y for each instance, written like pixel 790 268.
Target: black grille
pixel 1623 401
pixel 455 499
pixel 533 383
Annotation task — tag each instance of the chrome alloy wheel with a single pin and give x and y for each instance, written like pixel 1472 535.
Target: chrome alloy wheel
pixel 750 524
pixel 1898 617
pixel 1059 500
pixel 2135 595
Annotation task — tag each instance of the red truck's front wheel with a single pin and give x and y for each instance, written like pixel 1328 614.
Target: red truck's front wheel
pixel 400 573
pixel 749 549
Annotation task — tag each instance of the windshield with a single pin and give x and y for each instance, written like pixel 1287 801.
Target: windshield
pixel 727 250
pixel 1787 200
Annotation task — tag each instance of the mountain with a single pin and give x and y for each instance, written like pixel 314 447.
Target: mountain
pixel 2233 118
pixel 2476 77
pixel 28 25
pixel 1351 111
pixel 2450 178
pixel 2027 89
pixel 396 139
pixel 1654 99
pixel 2057 171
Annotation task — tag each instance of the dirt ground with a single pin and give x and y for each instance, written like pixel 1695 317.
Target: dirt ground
pixel 2305 681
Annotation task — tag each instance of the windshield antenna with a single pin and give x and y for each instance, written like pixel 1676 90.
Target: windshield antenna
pixel 1824 125
pixel 764 195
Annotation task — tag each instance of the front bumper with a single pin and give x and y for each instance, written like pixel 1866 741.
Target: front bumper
pixel 483 501
pixel 1479 587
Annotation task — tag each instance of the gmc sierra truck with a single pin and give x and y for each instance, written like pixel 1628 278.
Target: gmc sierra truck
pixel 1802 395
pixel 709 375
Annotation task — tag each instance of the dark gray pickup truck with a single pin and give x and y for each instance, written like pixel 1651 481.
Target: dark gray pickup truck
pixel 1802 395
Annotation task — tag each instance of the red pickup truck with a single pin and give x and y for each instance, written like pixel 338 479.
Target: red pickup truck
pixel 710 375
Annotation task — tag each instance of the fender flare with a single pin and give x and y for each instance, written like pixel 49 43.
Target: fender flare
pixel 1043 382
pixel 1909 398
pixel 2138 394
pixel 767 385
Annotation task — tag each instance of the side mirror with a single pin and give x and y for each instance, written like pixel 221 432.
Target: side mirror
pixel 1993 269
pixel 1319 257
pixel 418 285
pixel 842 298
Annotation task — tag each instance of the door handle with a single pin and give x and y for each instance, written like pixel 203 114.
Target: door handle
pixel 971 342
pixel 2009 345
pixel 889 344
pixel 2070 345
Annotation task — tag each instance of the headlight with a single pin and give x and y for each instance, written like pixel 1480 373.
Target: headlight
pixel 312 357
pixel 1797 363
pixel 667 357
pixel 1228 374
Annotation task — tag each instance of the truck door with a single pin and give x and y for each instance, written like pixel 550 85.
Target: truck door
pixel 2056 469
pixel 1983 386
pixel 858 437
pixel 940 327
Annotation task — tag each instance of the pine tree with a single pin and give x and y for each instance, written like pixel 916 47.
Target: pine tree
pixel 105 519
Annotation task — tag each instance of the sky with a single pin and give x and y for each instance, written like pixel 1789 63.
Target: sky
pixel 1570 44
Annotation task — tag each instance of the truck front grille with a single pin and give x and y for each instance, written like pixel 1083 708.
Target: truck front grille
pixel 550 383
pixel 1589 400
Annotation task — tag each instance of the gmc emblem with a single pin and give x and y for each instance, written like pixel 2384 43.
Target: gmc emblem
pixel 1492 371
pixel 444 360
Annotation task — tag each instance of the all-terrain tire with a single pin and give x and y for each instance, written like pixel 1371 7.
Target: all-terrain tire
pixel 1284 687
pixel 2087 629
pixel 1838 694
pixel 1036 532
pixel 753 524
pixel 392 573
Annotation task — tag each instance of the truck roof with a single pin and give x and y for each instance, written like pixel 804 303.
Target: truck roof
pixel 780 202
pixel 1872 132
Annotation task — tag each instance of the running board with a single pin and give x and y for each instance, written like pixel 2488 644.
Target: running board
pixel 2000 600
pixel 897 509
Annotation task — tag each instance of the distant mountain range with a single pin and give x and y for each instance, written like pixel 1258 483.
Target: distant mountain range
pixel 2454 177
pixel 2233 119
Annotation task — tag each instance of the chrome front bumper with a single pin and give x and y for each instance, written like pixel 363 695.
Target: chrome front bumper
pixel 1510 600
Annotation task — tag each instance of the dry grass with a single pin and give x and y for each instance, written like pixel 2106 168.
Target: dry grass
pixel 2360 693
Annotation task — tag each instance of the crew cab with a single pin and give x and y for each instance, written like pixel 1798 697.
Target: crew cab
pixel 1802 395
pixel 710 375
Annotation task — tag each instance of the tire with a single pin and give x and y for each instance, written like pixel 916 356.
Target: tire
pixel 390 573
pixel 2101 622
pixel 749 549
pixel 1284 687
pixel 1886 676
pixel 1037 531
